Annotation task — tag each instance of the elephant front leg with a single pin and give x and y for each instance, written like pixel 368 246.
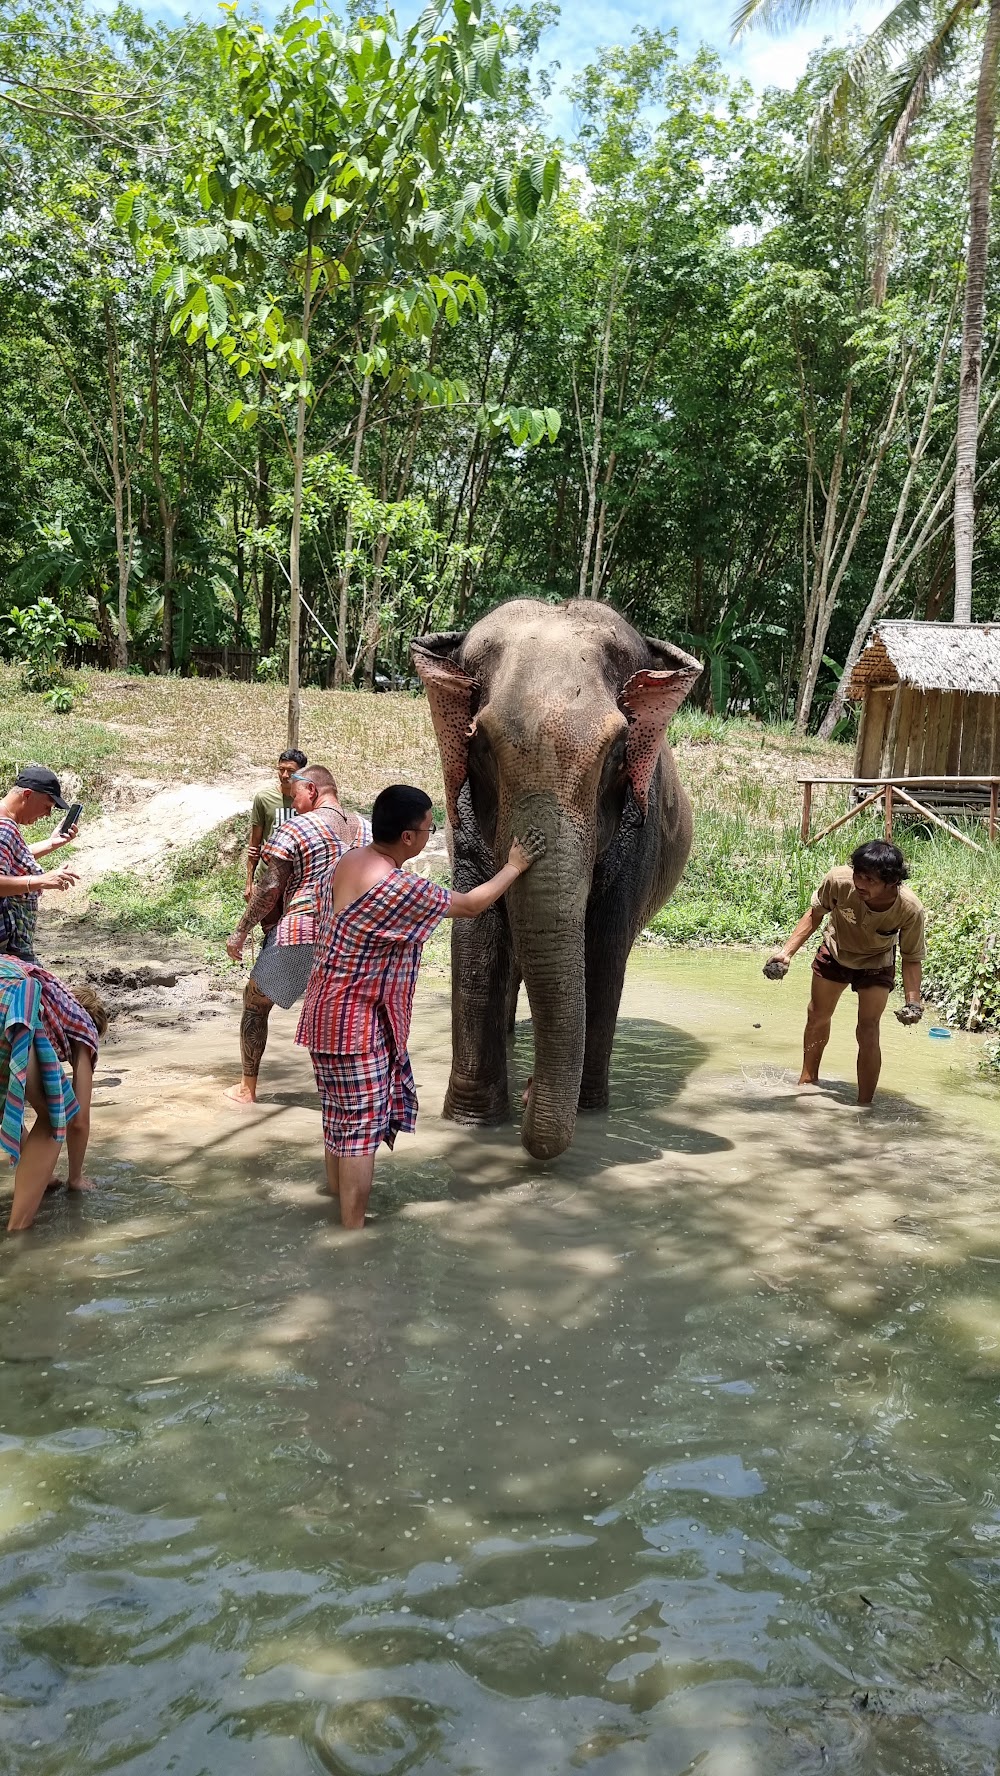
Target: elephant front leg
pixel 482 972
pixel 604 979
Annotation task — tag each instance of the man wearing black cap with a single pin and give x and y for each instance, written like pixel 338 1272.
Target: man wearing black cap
pixel 34 795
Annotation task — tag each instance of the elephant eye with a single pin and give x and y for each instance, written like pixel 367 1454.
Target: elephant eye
pixel 611 794
pixel 614 763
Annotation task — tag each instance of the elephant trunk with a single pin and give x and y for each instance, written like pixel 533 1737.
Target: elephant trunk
pixel 547 910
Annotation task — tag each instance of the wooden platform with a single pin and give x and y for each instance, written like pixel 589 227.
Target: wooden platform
pixel 929 798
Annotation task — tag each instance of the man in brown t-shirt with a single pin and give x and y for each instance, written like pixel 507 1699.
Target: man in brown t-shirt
pixel 870 914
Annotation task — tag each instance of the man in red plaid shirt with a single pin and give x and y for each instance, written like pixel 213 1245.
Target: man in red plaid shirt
pixel 356 1016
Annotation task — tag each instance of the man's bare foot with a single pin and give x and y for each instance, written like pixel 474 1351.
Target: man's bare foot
pixel 80 1184
pixel 808 1088
pixel 244 1094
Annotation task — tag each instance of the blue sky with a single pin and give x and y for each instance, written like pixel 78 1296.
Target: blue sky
pixel 587 24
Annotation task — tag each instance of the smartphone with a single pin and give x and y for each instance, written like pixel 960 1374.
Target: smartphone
pixel 70 817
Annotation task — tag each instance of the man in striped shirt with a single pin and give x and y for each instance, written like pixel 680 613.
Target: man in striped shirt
pixel 356 1014
pixel 298 859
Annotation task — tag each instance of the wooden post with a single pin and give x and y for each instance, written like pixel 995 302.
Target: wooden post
pixel 807 797
pixel 888 811
pixel 994 795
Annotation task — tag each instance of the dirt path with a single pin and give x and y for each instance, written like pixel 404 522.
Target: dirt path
pixel 145 833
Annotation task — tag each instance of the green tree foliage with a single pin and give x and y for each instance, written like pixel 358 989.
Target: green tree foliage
pixel 309 326
pixel 329 158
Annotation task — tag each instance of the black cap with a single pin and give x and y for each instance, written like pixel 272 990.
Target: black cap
pixel 42 781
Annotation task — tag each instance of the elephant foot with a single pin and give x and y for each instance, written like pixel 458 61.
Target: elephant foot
pixel 544 1137
pixel 476 1109
pixel 545 1146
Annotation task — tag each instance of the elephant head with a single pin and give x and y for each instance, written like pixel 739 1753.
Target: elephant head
pixel 555 717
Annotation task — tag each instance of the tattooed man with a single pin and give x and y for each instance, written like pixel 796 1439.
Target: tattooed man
pixel 296 865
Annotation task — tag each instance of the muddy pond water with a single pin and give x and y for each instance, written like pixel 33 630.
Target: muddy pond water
pixel 677 1455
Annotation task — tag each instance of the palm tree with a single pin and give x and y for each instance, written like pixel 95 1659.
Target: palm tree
pixel 899 63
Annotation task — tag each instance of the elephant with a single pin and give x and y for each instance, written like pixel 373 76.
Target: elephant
pixel 553 716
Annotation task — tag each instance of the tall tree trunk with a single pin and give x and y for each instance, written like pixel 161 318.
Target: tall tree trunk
pixel 698 613
pixel 168 517
pixel 972 322
pixel 884 580
pixel 295 541
pixel 597 577
pixel 240 596
pixel 121 484
pixel 262 511
pixel 592 458
pixel 342 670
pixel 810 663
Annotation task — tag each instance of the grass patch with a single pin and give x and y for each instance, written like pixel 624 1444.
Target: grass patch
pixel 200 897
pixel 31 734
pixel 201 728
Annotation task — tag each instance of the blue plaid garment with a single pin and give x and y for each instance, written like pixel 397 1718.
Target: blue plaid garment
pixel 21 1030
pixel 18 912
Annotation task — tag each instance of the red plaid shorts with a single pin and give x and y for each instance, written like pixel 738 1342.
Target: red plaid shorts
pixel 366 1099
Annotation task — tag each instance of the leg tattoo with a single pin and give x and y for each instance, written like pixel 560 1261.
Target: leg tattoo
pixel 253 1030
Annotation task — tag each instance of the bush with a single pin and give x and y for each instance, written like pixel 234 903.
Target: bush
pixel 37 635
pixel 960 973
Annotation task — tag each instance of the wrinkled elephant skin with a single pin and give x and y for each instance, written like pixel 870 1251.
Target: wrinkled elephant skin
pixel 555 717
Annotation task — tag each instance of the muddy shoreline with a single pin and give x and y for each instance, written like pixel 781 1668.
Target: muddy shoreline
pixel 141 978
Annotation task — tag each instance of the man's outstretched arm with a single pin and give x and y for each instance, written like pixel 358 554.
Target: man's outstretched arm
pixel 778 965
pixel 265 897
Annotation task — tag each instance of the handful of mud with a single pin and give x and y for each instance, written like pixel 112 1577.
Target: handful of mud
pixel 776 968
pixel 909 1014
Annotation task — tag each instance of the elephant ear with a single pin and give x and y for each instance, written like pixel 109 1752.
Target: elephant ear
pixel 649 699
pixel 450 693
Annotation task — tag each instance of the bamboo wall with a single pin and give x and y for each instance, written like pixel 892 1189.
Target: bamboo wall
pixel 909 733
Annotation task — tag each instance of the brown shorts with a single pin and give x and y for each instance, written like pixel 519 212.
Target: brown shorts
pixel 829 969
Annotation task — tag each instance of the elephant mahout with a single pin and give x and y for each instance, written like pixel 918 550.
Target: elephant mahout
pixel 553 716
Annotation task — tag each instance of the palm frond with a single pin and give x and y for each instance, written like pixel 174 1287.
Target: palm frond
pixel 906 91
pixel 778 15
pixel 918 26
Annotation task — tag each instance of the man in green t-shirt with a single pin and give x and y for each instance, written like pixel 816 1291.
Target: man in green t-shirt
pixel 270 808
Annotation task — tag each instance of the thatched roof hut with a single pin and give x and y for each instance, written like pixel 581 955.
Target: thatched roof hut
pixel 931 694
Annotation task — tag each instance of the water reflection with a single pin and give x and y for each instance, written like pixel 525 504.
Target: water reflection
pixel 676 1455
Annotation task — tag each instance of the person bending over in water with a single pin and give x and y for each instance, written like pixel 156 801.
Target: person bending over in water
pixel 356 1015
pixel 870 912
pixel 82 1059
pixel 42 1025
